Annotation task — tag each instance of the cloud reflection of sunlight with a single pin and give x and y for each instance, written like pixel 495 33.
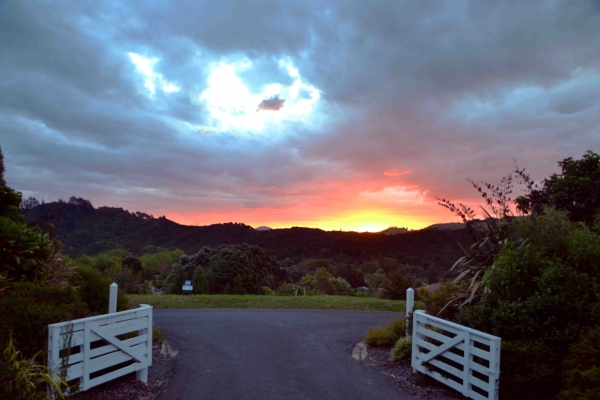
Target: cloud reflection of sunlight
pixel 232 105
pixel 145 67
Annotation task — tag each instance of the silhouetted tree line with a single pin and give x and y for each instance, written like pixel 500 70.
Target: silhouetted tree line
pixel 86 230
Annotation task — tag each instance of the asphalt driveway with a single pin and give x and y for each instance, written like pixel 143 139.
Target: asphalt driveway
pixel 272 354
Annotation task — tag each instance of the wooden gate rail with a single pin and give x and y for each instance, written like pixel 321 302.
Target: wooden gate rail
pixel 70 343
pixel 462 358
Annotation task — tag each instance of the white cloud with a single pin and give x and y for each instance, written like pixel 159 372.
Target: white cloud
pixel 233 105
pixel 145 67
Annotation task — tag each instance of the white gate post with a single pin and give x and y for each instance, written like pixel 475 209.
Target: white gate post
pixel 112 300
pixel 142 374
pixel 410 305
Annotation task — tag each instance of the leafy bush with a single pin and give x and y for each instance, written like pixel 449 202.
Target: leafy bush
pixel 158 335
pixel 175 279
pixel 24 378
pixel 94 288
pixel 436 303
pixel 26 310
pixel 534 296
pixel 255 266
pixel 582 368
pixel 10 201
pixel 287 289
pixel 528 370
pixel 200 281
pixel 575 190
pixel 127 281
pixel 159 263
pixel 104 263
pixel 132 263
pixel 541 298
pixel 388 335
pixel 342 287
pixel 268 291
pixel 421 294
pixel 23 251
pixel 395 287
pixel 402 350
pixel 238 286
pixel 322 281
pixel 350 274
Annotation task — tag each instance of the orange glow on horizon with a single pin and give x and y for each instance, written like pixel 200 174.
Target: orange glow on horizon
pixel 356 221
pixel 362 205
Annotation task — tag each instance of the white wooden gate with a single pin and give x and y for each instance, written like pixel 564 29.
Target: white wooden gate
pixel 90 349
pixel 464 359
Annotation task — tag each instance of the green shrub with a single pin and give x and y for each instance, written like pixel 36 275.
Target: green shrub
pixel 224 263
pixel 238 286
pixel 95 290
pixel 200 281
pixel 26 310
pixel 287 289
pixel 322 281
pixel 533 297
pixel 23 251
pixel 388 335
pixel 583 385
pixel 268 291
pixel 540 299
pixel 402 350
pixel 582 368
pixel 127 281
pixel 159 263
pixel 24 378
pixel 342 287
pixel 132 263
pixel 396 285
pixel 158 335
pixel 436 303
pixel 528 370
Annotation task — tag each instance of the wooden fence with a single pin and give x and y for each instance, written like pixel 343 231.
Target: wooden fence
pixel 464 359
pixel 97 349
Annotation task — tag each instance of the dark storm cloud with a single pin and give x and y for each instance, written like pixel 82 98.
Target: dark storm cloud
pixel 447 90
pixel 271 104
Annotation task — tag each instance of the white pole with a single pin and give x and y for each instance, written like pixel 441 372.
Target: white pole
pixel 410 305
pixel 112 300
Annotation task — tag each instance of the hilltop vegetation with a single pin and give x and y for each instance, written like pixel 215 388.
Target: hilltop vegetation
pixel 535 281
pixel 86 230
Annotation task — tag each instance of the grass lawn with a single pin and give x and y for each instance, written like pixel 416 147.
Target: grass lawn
pixel 255 301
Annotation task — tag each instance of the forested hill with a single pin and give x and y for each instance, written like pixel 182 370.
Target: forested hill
pixel 88 230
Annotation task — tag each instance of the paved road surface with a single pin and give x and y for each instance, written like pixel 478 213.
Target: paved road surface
pixel 272 354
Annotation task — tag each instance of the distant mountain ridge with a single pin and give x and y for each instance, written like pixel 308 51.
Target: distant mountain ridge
pixel 88 230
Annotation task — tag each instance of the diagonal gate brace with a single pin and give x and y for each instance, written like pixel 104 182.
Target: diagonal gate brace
pixel 116 342
pixel 443 348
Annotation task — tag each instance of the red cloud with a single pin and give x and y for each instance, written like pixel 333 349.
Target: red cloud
pixel 396 172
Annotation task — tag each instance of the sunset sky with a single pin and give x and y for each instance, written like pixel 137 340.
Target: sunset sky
pixel 348 115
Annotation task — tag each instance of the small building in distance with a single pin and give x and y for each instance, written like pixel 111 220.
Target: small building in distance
pixel 263 228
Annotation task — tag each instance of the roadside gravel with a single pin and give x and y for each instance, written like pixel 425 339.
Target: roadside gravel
pixel 401 372
pixel 128 388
